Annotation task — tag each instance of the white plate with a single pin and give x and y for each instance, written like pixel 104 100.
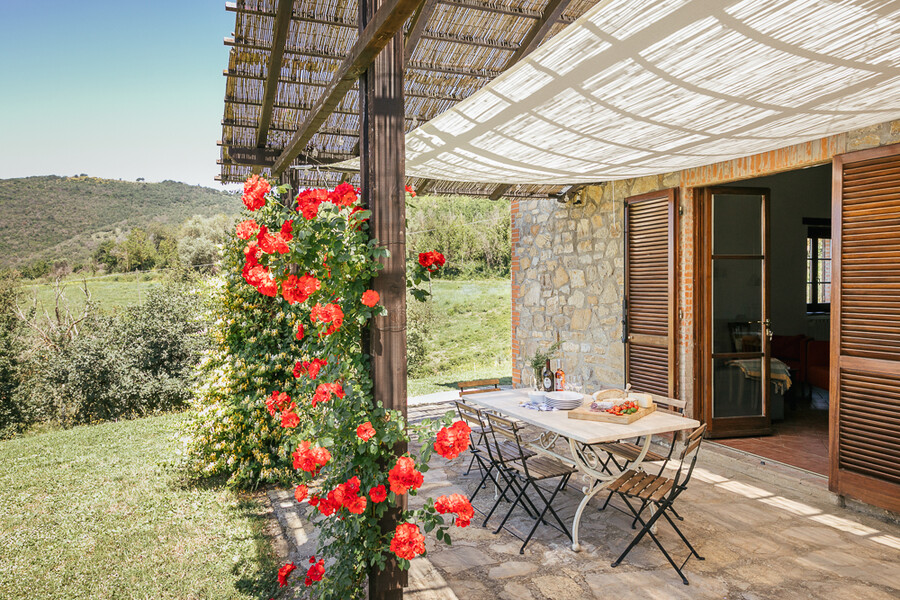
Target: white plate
pixel 566 397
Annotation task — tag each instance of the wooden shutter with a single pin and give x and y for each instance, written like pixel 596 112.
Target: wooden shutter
pixel 650 293
pixel 865 327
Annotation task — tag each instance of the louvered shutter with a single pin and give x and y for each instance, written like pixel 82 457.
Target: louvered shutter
pixel 650 292
pixel 865 327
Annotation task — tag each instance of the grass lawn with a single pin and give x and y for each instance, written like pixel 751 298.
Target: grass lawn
pixel 93 512
pixel 109 291
pixel 471 337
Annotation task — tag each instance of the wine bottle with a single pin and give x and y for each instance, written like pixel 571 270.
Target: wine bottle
pixel 560 376
pixel 547 375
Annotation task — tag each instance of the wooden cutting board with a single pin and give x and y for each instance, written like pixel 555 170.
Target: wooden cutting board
pixel 587 414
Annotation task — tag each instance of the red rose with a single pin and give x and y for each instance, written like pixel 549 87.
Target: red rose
pixel 410 191
pixel 287 229
pixel 315 573
pixel 259 277
pixel 308 202
pixel 365 431
pixel 310 459
pixel 452 441
pixel 255 190
pixel 370 298
pixel 277 402
pixel 330 313
pixel 325 390
pixel 289 418
pixel 407 542
pixel 299 289
pixel 432 261
pixel 300 333
pixel 458 504
pixel 246 229
pixel 284 572
pixel 310 368
pixel 404 476
pixel 300 492
pixel 378 494
pixel 343 195
pixel 270 244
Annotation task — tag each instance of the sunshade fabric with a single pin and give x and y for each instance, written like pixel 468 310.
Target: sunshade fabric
pixel 641 87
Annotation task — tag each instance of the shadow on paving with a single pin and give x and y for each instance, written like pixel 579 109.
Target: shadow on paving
pixel 760 540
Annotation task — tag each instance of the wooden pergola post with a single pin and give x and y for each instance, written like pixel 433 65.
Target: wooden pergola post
pixel 382 177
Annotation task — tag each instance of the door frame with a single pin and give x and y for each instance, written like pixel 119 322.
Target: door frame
pixel 672 268
pixel 703 311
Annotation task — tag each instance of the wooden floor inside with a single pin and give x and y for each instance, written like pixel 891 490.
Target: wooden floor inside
pixel 800 440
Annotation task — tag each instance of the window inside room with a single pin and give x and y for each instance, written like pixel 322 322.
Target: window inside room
pixel 818 269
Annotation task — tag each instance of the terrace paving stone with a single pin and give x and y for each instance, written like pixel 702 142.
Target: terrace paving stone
pixel 766 531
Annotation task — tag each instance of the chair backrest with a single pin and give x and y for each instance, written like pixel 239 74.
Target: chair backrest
pixel 689 452
pixel 509 430
pixel 478 386
pixel 669 404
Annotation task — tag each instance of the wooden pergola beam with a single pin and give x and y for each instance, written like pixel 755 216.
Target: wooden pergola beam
pixel 289 81
pixel 425 186
pixel 482 73
pixel 280 32
pixel 499 191
pixel 552 14
pixel 469 41
pixel 472 4
pixel 417 27
pixel 387 21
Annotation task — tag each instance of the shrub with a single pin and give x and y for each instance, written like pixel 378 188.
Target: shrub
pixel 125 365
pixel 230 431
pixel 11 417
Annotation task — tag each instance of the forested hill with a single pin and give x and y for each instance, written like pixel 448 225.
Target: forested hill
pixel 52 217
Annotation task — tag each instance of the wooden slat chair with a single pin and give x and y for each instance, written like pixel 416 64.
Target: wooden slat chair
pixel 659 493
pixel 620 453
pixel 525 473
pixel 478 386
pixel 489 459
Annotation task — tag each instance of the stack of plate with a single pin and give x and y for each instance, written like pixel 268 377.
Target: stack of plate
pixel 564 400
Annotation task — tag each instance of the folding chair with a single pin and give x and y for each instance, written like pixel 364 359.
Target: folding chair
pixel 525 473
pixel 627 452
pixel 488 457
pixel 479 386
pixel 659 493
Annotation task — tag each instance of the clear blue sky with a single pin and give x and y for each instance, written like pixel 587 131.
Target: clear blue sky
pixel 117 89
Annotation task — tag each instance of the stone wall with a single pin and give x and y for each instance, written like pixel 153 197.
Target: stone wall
pixel 569 278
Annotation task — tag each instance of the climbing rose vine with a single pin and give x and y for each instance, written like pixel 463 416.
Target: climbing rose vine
pixel 313 256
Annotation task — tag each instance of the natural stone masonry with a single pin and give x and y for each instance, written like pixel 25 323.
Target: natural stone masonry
pixel 568 267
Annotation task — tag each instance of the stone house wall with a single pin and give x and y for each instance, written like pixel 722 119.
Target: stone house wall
pixel 568 260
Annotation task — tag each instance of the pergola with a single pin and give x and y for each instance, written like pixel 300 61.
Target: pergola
pixel 310 84
pixel 292 97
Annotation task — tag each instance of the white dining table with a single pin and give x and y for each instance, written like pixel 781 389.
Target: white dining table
pixel 581 436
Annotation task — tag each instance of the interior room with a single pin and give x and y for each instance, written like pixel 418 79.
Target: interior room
pixel 798 288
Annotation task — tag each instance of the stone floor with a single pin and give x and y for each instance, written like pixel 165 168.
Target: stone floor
pixel 766 531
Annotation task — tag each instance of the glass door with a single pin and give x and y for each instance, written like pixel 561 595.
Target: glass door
pixel 736 328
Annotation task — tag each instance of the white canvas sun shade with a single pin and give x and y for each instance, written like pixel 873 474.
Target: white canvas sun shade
pixel 642 87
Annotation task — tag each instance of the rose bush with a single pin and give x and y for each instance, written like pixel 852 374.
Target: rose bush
pixel 309 261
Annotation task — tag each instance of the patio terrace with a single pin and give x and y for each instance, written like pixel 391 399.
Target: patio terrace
pixel 765 531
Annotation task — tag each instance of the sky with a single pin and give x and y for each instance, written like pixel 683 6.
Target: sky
pixel 118 89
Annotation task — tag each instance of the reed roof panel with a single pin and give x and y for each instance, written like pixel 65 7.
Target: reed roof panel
pixel 463 46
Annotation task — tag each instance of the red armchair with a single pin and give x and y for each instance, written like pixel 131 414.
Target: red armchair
pixel 818 358
pixel 791 350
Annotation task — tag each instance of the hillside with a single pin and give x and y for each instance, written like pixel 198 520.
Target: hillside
pixel 51 217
